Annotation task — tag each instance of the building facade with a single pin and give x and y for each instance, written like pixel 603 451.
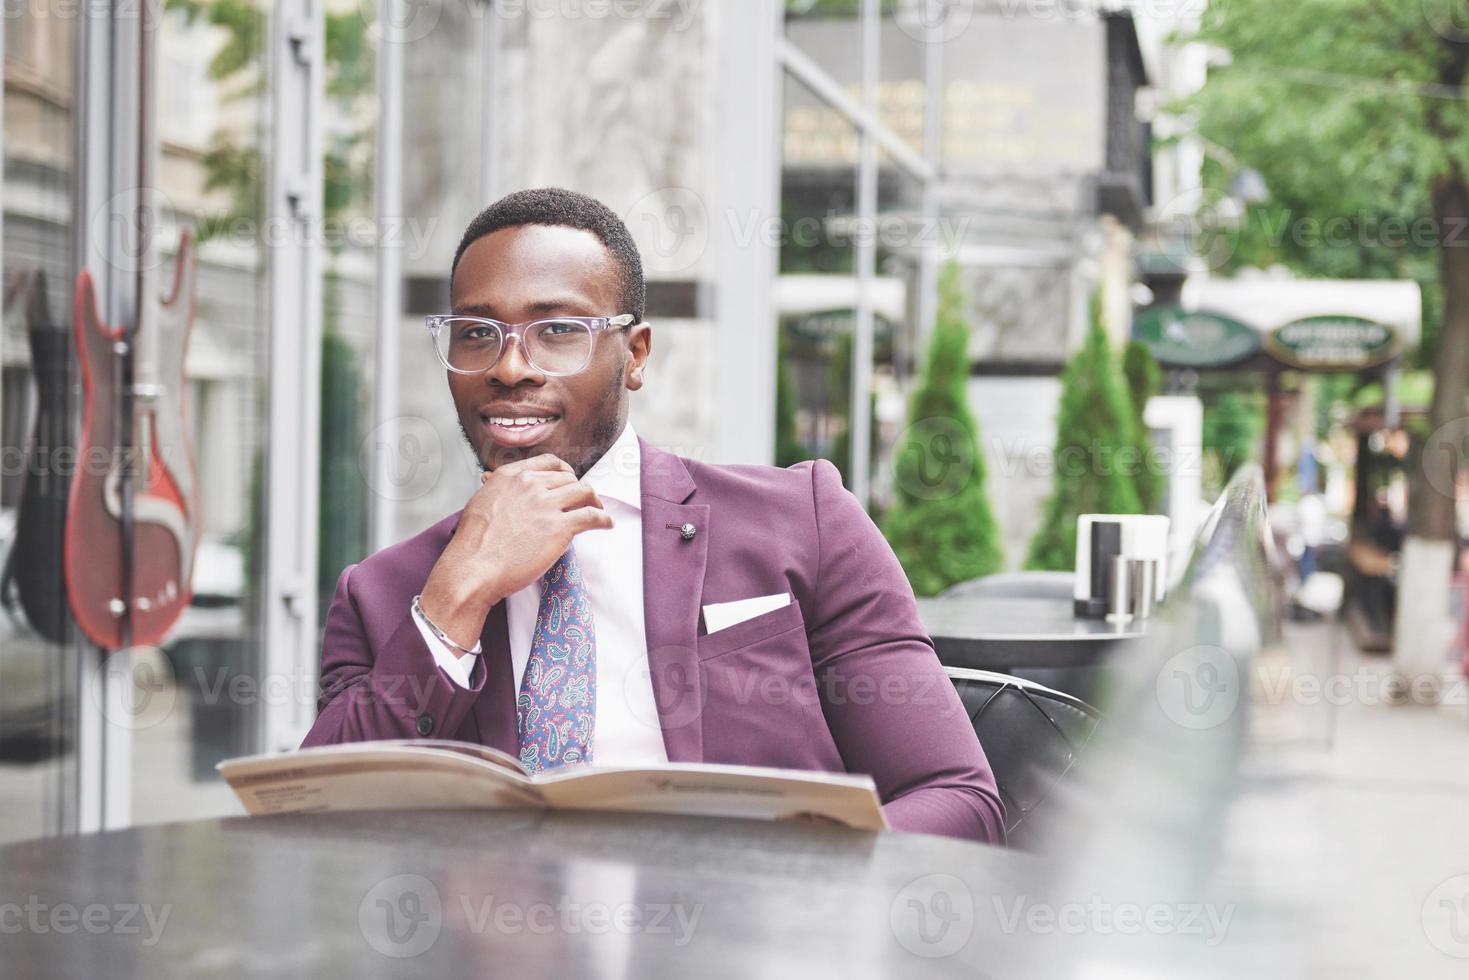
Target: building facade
pixel 791 177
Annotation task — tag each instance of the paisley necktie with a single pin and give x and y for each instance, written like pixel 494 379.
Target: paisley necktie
pixel 557 707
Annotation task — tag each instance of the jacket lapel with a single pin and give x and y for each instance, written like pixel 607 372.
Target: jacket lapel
pixel 673 584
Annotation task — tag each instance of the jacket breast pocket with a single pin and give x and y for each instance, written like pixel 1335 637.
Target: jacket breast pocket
pixel 751 631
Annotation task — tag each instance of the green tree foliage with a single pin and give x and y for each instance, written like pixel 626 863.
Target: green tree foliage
pixel 239 68
pixel 1355 113
pixel 1144 378
pixel 839 389
pixel 341 498
pixel 942 527
pixel 1339 130
pixel 1096 462
pixel 788 448
pixel 1233 421
pixel 244 23
pixel 841 446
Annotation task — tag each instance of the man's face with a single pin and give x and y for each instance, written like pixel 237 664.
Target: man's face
pixel 532 272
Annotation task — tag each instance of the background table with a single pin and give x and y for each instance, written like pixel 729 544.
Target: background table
pixel 511 894
pixel 1009 634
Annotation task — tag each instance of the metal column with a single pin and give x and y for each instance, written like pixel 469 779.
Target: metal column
pixel 747 185
pixel 933 135
pixel 388 185
pixel 115 219
pixel 859 469
pixel 290 641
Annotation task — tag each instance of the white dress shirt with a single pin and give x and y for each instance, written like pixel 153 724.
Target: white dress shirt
pixel 627 732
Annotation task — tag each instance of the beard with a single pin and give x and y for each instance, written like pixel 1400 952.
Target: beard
pixel 609 414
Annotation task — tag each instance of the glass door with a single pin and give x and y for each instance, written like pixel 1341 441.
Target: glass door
pixel 38 655
pixel 203 674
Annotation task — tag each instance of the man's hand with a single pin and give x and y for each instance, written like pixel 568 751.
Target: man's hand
pixel 520 520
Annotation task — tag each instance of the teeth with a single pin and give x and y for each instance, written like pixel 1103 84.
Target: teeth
pixel 516 423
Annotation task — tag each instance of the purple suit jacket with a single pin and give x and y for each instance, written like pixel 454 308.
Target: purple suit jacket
pixel 844 679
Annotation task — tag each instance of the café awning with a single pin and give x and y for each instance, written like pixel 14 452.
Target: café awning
pixel 1306 324
pixel 1268 304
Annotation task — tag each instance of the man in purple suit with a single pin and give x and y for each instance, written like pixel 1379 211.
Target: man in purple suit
pixel 599 601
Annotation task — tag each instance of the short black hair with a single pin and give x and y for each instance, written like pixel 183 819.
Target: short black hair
pixel 559 207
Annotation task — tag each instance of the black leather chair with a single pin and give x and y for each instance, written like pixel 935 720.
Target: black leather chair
pixel 1033 736
pixel 1054 586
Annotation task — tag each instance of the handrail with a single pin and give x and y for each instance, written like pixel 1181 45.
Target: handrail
pixel 1145 815
pixel 1236 535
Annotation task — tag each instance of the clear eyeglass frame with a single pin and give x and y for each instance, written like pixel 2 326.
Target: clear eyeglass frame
pixel 517 331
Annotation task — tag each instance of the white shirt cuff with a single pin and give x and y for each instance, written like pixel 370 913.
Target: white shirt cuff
pixel 459 669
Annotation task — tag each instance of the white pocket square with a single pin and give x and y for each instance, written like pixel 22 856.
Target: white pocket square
pixel 722 615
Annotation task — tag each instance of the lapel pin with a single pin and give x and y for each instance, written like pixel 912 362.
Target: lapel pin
pixel 686 531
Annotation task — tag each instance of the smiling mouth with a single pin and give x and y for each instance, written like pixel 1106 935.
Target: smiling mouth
pixel 518 431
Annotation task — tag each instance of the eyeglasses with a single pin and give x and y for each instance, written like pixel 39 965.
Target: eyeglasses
pixel 557 347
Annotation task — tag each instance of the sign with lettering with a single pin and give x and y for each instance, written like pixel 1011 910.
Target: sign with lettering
pixel 1194 338
pixel 1333 343
pixel 1005 106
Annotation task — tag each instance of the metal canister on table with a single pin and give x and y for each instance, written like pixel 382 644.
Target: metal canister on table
pixel 1144 586
pixel 1119 591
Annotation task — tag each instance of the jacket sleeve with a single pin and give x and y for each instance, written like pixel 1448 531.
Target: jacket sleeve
pixel 889 705
pixel 383 687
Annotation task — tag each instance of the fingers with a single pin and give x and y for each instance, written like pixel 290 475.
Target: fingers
pixel 575 495
pixel 539 481
pixel 589 519
pixel 544 462
pixel 545 476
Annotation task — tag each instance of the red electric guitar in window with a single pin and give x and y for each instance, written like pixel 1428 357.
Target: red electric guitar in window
pixel 132 520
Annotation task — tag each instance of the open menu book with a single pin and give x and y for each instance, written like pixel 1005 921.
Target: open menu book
pixel 430 775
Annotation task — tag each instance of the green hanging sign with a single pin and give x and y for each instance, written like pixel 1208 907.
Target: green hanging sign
pixel 1194 338
pixel 1333 343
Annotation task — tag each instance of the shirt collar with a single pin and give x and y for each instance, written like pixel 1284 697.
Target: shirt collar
pixel 618 475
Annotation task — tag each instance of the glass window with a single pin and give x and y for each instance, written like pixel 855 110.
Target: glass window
pixel 38 660
pixel 211 178
pixel 817 291
pixel 349 240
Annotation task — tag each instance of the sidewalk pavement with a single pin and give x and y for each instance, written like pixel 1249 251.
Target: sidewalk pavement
pixel 1362 848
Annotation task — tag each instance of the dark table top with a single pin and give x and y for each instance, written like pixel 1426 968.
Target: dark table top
pixel 507 894
pixel 993 633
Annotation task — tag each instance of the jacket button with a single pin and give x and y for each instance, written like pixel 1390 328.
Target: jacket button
pixel 425 725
